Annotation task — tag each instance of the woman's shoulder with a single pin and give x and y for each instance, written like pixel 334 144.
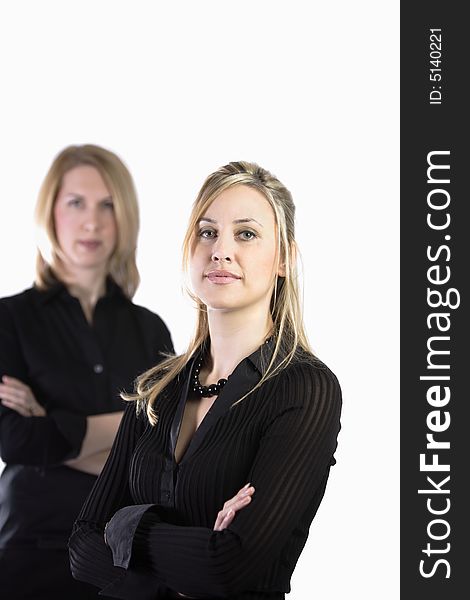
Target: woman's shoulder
pixel 20 301
pixel 307 376
pixel 308 391
pixel 305 363
pixel 147 316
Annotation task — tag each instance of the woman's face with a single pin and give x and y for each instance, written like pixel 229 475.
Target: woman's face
pixel 84 219
pixel 233 259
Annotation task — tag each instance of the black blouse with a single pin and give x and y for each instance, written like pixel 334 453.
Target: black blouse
pixel 161 514
pixel 74 370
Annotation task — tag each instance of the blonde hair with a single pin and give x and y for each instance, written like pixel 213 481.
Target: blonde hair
pixel 122 264
pixel 288 329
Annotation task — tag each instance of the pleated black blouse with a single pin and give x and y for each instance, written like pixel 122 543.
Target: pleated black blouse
pixel 160 515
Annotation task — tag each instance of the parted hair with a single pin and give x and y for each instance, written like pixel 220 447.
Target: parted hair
pixel 288 328
pixel 122 264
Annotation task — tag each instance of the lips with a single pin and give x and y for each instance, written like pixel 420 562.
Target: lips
pixel 90 244
pixel 221 277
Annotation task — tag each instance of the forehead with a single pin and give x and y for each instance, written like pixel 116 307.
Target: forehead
pixel 82 179
pixel 240 202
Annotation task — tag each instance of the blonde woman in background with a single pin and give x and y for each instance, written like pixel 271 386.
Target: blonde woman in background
pixel 214 480
pixel 68 346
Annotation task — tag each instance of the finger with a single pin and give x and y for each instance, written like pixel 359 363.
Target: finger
pixel 38 411
pixel 12 395
pixel 224 521
pixel 241 503
pixel 26 401
pixel 228 519
pixel 16 383
pixel 229 513
pixel 20 392
pixel 218 521
pixel 243 493
pixel 19 409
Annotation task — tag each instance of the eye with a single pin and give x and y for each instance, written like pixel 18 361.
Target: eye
pixel 108 204
pixel 207 234
pixel 247 235
pixel 76 202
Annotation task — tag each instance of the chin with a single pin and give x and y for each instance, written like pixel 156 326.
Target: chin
pixel 219 304
pixel 225 305
pixel 220 300
pixel 222 307
pixel 90 264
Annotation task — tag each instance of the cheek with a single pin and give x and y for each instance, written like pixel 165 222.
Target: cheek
pixel 195 267
pixel 61 224
pixel 199 261
pixel 113 228
pixel 264 269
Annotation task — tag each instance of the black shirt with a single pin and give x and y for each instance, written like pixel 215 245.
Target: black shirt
pixel 74 370
pixel 161 514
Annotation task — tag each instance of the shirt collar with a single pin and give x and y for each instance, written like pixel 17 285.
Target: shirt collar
pixel 259 359
pixel 59 290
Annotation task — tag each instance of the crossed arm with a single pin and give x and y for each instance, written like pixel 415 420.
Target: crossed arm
pixel 32 435
pixel 100 429
pixel 147 555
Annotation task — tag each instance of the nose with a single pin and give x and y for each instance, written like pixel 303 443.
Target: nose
pixel 221 251
pixel 92 220
pixel 219 257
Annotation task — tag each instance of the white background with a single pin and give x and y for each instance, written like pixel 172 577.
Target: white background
pixel 309 90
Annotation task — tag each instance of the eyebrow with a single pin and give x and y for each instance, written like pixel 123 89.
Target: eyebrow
pixel 81 197
pixel 236 222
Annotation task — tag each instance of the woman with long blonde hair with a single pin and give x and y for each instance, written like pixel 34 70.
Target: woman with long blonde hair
pixel 68 346
pixel 223 454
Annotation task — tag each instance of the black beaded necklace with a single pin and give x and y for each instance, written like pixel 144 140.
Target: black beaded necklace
pixel 205 391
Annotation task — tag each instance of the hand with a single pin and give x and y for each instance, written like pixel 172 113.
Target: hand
pixel 18 396
pixel 227 514
pixel 232 506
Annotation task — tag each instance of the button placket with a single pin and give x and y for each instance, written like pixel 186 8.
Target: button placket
pixel 167 487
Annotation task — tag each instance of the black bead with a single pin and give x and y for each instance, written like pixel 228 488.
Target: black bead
pixel 204 390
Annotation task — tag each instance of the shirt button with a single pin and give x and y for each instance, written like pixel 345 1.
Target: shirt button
pixel 167 495
pixel 98 368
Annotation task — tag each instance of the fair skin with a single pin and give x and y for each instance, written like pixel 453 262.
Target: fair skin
pixel 86 232
pixel 233 265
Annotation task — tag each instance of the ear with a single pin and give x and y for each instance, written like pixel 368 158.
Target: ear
pixel 291 257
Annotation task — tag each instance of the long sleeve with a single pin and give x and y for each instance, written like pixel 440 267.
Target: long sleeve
pixel 289 473
pixel 41 441
pixel 90 559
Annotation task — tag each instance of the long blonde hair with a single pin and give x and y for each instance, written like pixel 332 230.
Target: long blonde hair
pixel 122 264
pixel 288 330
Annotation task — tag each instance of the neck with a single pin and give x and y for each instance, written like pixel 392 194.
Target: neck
pixel 234 336
pixel 88 285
